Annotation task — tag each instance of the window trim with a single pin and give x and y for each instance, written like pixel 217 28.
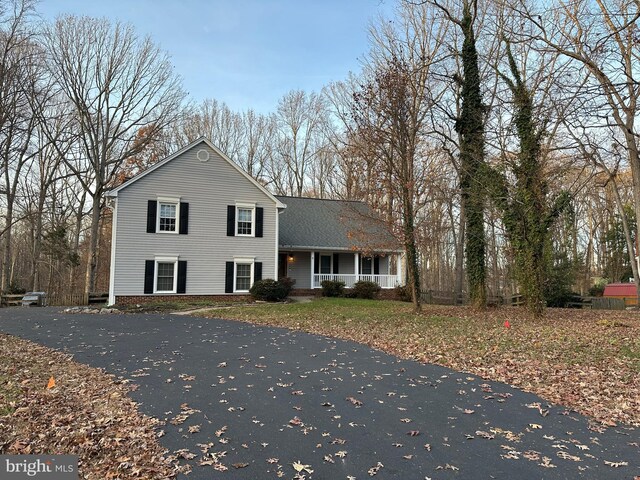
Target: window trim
pixel 168 201
pixel 242 261
pixel 246 206
pixel 158 260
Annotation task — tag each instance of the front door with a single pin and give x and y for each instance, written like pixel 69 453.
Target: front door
pixel 282 265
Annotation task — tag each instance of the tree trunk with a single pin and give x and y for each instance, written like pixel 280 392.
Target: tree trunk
pixel 76 242
pixel 411 251
pixel 628 238
pixel 471 129
pixel 459 275
pixel 92 256
pixel 37 243
pixel 6 246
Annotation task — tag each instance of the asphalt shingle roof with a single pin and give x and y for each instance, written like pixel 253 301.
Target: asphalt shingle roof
pixel 332 224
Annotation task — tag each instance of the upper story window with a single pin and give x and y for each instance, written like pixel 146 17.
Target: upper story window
pixel 244 221
pixel 167 217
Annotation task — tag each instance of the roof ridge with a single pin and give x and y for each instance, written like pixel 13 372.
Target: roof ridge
pixel 321 199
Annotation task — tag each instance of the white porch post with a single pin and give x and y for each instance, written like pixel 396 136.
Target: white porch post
pixel 356 266
pixel 313 259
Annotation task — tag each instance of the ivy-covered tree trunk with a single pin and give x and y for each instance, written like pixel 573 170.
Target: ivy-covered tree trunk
pixel 470 128
pixel 527 215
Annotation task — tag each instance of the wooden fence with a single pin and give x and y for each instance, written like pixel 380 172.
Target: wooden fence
pixel 440 297
pixel 11 300
pixel 59 299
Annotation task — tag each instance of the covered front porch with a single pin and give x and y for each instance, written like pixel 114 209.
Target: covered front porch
pixel 310 269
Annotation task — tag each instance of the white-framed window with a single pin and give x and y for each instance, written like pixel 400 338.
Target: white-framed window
pixel 166 275
pixel 242 274
pixel 245 220
pixel 168 215
pixel 367 266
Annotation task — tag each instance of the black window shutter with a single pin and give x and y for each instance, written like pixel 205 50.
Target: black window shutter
pixel 231 223
pixel 336 263
pixel 152 210
pixel 316 263
pixel 259 221
pixel 149 272
pixel 228 278
pixel 257 271
pixel 182 277
pixel 376 265
pixel 184 218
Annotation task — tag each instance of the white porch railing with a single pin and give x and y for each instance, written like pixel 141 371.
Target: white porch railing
pixel 385 281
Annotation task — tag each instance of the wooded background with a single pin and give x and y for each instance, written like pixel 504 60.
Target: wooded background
pixel 496 138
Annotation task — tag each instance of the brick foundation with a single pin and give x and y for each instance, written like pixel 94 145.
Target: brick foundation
pixel 142 299
pixel 306 292
pixel 388 294
pixel 296 292
pixel 385 294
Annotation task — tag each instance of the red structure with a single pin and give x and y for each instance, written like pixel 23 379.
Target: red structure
pixel 626 291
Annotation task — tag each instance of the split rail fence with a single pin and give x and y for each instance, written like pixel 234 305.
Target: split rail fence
pixel 59 300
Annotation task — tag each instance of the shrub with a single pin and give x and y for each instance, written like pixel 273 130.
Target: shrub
pixel 403 293
pixel 364 289
pixel 287 283
pixel 270 290
pixel 15 289
pixel 598 289
pixel 560 278
pixel 331 288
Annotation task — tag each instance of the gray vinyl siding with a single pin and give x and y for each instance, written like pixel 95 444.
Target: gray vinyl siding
pixel 384 265
pixel 346 264
pixel 208 187
pixel 300 269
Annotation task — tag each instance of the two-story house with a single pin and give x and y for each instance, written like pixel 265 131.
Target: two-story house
pixel 196 225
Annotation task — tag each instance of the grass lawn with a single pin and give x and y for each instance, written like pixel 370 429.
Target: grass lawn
pixel 586 360
pixel 86 413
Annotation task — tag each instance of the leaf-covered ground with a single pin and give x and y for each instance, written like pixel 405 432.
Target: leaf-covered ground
pixel 86 413
pixel 586 360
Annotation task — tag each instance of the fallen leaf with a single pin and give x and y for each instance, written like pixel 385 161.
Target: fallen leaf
pixel 616 464
pixel 300 467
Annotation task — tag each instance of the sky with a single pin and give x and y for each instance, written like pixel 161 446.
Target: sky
pixel 246 53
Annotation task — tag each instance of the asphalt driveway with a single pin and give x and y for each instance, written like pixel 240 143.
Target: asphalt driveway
pixel 269 397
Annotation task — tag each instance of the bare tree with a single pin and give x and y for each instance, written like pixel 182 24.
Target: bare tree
pixel 301 120
pixel 22 96
pixel 116 83
pixel 259 132
pixel 390 127
pixel 601 37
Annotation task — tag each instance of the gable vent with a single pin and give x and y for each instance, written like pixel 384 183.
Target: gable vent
pixel 203 155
